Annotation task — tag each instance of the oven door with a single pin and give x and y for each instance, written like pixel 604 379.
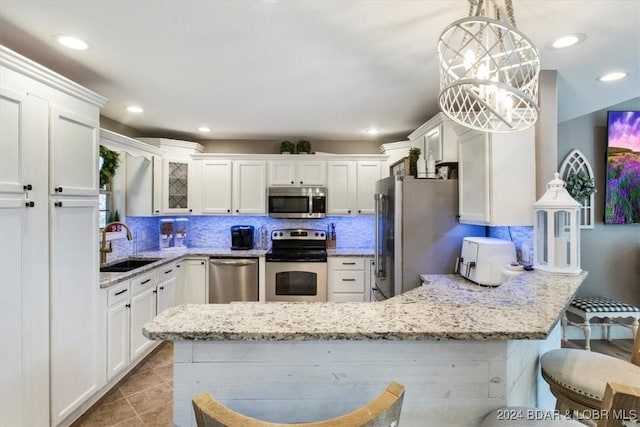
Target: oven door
pixel 296 281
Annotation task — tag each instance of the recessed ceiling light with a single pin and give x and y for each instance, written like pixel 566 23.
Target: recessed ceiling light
pixel 609 77
pixel 372 131
pixel 568 40
pixel 204 129
pixel 72 42
pixel 134 109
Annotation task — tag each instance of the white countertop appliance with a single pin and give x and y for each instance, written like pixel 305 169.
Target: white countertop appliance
pixel 483 259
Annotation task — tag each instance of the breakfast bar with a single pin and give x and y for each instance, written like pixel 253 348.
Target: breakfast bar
pixel 461 350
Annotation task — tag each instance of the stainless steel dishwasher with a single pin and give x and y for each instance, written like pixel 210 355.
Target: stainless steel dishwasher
pixel 233 279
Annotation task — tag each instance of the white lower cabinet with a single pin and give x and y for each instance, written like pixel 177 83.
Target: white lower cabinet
pixel 118 324
pixel 130 305
pixel 143 309
pixel 348 279
pixel 192 281
pixel 166 290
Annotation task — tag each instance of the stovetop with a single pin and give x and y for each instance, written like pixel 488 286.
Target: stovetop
pixel 298 245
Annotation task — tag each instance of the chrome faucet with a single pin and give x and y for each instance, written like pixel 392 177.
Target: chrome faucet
pixel 104 250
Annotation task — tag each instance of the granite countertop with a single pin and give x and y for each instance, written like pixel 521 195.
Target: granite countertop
pixel 446 307
pixel 175 254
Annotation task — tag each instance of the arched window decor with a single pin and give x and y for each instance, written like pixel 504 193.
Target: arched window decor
pixel 576 164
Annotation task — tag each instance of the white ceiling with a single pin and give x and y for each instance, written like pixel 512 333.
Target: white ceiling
pixel 319 70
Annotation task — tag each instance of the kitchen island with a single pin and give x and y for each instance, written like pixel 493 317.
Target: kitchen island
pixel 461 350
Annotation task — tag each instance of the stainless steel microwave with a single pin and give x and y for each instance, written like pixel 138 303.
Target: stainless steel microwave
pixel 297 202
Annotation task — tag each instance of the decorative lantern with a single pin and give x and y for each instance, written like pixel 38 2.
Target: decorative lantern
pixel 556 230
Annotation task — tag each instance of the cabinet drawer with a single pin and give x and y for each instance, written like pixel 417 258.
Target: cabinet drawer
pixel 349 264
pixel 166 272
pixel 348 281
pixel 142 282
pixel 349 298
pixel 118 293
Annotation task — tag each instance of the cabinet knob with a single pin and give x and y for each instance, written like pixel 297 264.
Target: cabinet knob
pixel 190 210
pixel 30 204
pixel 201 262
pixel 301 182
pixel 228 210
pixel 155 291
pixel 292 182
pixel 58 189
pixel 157 211
pixel 349 211
pixel 27 187
pixel 359 211
pixel 128 305
pixel 237 210
pixel 57 204
pixel 161 288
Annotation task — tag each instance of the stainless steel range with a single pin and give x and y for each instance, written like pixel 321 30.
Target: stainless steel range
pixel 296 265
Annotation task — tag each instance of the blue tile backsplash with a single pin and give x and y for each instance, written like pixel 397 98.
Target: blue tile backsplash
pixel 214 231
pixel 521 236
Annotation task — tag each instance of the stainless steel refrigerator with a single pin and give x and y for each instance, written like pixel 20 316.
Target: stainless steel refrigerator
pixel 416 232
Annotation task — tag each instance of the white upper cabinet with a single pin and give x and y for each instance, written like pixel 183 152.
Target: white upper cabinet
pixel 174 180
pixel 74 154
pixel 497 177
pixel 351 185
pixel 214 182
pixel 140 164
pixel 249 187
pixel 341 187
pixel 177 186
pixel 230 187
pixel 297 173
pixel 439 137
pixel 367 175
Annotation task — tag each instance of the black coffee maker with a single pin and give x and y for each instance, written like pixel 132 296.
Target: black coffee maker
pixel 242 237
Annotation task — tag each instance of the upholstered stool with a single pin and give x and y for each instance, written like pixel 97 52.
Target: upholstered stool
pixel 578 378
pixel 600 308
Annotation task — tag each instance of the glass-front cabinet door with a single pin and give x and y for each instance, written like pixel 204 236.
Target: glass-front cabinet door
pixel 177 183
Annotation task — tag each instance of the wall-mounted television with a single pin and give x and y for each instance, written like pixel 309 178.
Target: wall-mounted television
pixel 622 199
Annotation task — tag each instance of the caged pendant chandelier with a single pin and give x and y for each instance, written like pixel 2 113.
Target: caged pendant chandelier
pixel 488 71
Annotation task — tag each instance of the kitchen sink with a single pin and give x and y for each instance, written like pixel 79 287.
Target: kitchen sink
pixel 128 265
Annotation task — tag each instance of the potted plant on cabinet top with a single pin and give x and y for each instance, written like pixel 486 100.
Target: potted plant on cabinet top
pixel 414 155
pixel 287 147
pixel 303 147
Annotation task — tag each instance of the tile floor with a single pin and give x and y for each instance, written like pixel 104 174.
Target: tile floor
pixel 145 396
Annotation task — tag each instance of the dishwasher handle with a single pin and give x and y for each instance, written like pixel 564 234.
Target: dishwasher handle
pixel 238 262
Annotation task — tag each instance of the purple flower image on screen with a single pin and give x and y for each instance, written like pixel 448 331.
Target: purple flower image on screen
pixel 622 200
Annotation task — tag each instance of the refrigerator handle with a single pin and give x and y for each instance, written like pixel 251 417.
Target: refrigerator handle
pixel 378 198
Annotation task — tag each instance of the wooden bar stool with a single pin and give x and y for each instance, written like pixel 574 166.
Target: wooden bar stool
pixel 383 411
pixel 578 378
pixel 607 310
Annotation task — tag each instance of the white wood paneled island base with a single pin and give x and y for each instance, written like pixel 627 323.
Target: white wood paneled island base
pixel 460 350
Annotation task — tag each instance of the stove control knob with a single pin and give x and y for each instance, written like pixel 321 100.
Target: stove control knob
pixel 316 234
pixel 280 234
pixel 321 234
